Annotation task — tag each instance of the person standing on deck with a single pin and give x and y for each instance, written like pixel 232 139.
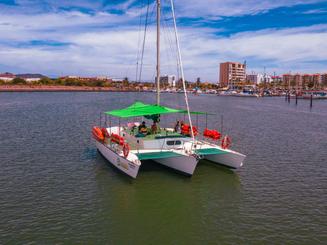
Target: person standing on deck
pixel 177 126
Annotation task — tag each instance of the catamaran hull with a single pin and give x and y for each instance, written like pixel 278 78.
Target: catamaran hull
pixel 230 159
pixel 183 164
pixel 118 161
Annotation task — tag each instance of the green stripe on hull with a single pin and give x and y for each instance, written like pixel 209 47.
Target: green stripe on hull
pixel 210 151
pixel 157 155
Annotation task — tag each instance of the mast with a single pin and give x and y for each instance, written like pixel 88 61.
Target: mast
pixel 158 52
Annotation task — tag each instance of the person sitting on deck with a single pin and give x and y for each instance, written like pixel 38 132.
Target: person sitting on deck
pixel 154 128
pixel 177 127
pixel 143 130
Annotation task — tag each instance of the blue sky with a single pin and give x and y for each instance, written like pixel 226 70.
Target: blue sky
pixel 90 37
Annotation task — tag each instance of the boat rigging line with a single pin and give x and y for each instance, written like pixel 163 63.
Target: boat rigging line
pixel 158 51
pixel 181 69
pixel 138 46
pixel 144 39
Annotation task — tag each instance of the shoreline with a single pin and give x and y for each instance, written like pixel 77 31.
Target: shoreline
pixel 56 88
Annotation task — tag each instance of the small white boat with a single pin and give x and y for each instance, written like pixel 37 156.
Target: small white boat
pixel 244 93
pixel 127 145
pixel 314 94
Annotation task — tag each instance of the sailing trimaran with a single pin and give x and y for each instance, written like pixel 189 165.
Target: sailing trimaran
pixel 126 148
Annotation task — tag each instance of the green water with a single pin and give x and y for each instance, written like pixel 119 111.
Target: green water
pixel 55 188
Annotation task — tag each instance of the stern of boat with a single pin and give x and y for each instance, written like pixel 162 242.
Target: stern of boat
pixel 226 157
pixel 129 165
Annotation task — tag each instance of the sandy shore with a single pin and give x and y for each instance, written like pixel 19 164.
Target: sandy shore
pixel 55 88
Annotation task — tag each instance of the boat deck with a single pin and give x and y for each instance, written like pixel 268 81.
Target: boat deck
pixel 156 155
pixel 164 133
pixel 209 151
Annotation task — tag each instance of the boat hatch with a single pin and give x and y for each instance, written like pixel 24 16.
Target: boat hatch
pixel 209 151
pixel 157 155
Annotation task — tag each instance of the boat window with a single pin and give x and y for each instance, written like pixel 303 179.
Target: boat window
pixel 173 142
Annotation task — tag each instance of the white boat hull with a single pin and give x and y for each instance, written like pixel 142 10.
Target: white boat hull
pixel 118 161
pixel 230 159
pixel 183 164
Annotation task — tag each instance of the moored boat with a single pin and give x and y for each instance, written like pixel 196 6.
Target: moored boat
pixel 130 143
pixel 314 95
pixel 126 146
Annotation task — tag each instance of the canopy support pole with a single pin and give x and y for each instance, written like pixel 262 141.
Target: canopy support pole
pixel 206 120
pixel 119 126
pixel 222 124
pixel 110 123
pixel 197 121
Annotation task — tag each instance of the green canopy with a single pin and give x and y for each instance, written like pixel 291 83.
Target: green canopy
pixel 140 109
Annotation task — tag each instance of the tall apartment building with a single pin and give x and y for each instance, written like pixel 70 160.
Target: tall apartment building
pixel 232 73
pixel 287 80
pixel 297 78
pixel 276 79
pixel 324 79
pixel 301 81
pixel 307 79
pixel 316 78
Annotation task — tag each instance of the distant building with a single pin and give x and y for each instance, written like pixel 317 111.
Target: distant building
pixel 316 78
pixel 258 78
pixel 267 78
pixel 98 78
pixel 301 81
pixel 297 80
pixel 276 79
pixel 102 78
pixel 168 80
pixel 307 79
pixel 287 79
pixel 264 78
pixel 116 79
pixel 72 77
pixel 232 73
pixel 254 78
pixel 7 76
pixel 30 77
pixel 324 79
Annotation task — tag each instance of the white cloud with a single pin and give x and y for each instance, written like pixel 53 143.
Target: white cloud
pixel 214 8
pixel 107 44
pixel 113 52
